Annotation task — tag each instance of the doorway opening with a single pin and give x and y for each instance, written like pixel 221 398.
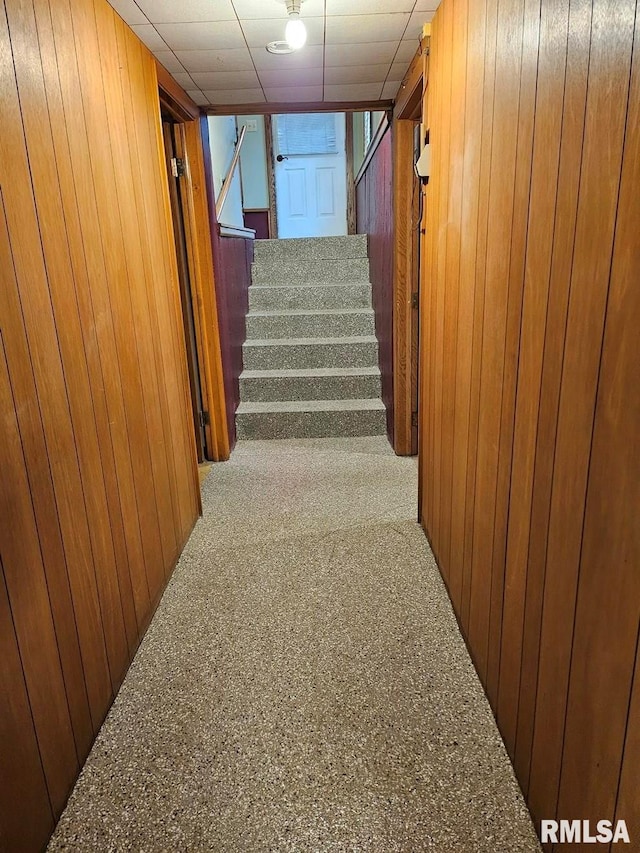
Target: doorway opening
pixel 173 149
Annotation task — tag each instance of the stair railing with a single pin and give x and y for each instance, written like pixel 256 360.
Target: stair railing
pixel 226 184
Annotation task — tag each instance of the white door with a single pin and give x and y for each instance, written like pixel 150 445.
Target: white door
pixel 311 174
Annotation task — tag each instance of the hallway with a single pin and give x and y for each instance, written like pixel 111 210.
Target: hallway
pixel 303 684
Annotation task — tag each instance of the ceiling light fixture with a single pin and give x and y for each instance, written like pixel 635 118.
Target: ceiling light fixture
pixel 295 32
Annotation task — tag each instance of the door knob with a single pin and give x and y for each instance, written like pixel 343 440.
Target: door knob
pixel 281 157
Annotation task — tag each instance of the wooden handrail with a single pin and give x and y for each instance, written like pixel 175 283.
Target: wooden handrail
pixel 226 184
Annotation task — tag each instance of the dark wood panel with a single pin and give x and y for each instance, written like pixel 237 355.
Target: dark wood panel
pixel 529 393
pixel 23 575
pixel 99 488
pixel 92 528
pixel 117 597
pixel 611 39
pixel 486 142
pixel 500 214
pixel 52 389
pixel 442 131
pixel 537 271
pixel 457 50
pixel 474 42
pixel 608 601
pixel 374 217
pixel 25 812
pixel 71 126
pixel 568 180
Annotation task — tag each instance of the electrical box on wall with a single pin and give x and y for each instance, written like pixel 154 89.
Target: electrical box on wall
pixel 251 125
pixel 423 165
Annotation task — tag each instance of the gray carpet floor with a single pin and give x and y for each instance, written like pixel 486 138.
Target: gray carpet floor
pixel 303 685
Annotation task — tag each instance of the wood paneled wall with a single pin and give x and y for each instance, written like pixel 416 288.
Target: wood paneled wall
pixel 98 486
pixel 374 217
pixel 530 397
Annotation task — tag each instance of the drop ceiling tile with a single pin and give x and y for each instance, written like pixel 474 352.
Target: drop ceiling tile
pixel 197 96
pixel 129 11
pixel 355 74
pixel 259 32
pixel 237 59
pixel 390 90
pixel 308 57
pixel 248 9
pixel 416 23
pixel 407 50
pixel 353 92
pixel 183 79
pixel 202 36
pixel 377 53
pixel 426 5
pixel 301 77
pixel 356 29
pixel 169 60
pixel 398 70
pixel 368 7
pixel 170 11
pixel 235 96
pixel 226 80
pixel 147 33
pixel 293 94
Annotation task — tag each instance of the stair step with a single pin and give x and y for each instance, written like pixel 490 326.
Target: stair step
pixel 296 323
pixel 309 296
pixel 295 271
pixel 310 419
pixel 329 383
pixel 276 354
pixel 313 248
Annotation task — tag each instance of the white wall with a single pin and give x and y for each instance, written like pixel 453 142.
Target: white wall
pixel 253 161
pixel 222 140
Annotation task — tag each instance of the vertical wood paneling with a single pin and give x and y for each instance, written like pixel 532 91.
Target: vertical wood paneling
pixel 537 271
pixel 568 180
pixel 474 41
pixel 530 408
pixel 374 206
pixel 608 602
pixel 25 811
pixel 610 56
pixel 99 484
pixel 456 387
pixel 489 81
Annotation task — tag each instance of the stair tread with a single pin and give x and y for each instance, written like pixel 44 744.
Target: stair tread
pixel 304 312
pixel 372 404
pixel 289 342
pixel 300 372
pixel 308 285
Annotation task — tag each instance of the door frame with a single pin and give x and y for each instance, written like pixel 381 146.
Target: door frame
pixel 407 264
pixel 195 208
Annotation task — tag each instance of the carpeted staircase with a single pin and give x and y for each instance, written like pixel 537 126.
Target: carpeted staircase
pixel 311 355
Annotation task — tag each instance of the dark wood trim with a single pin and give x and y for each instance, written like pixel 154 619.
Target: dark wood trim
pixel 271 176
pixel 405 282
pixel 174 99
pixel 409 95
pixel 383 127
pixel 406 276
pixel 351 183
pixel 195 207
pixel 310 107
